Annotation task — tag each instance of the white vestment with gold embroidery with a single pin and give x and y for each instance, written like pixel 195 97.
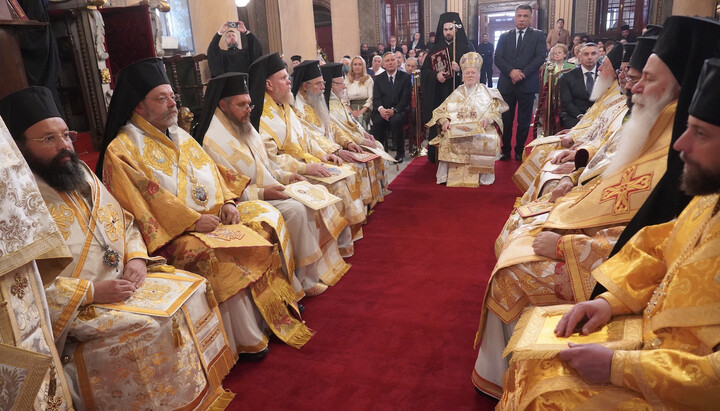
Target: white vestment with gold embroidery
pixel 171 357
pixel 313 234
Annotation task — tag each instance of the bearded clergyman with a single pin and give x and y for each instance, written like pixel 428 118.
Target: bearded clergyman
pixel 126 323
pixel 228 137
pixel 549 259
pixel 185 206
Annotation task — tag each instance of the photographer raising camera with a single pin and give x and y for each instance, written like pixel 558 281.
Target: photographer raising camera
pixel 242 49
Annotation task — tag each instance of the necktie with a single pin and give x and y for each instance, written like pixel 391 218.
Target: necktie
pixel 519 42
pixel 392 83
pixel 589 82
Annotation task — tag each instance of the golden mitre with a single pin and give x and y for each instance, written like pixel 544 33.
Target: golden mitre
pixel 471 59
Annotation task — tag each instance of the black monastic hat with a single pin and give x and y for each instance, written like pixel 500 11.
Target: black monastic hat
pixel 259 71
pixel 133 83
pixel 305 71
pixel 23 108
pixel 225 85
pixel 329 72
pixel 705 102
pixel 296 58
pixel 653 30
pixel 615 56
pixel 643 49
pixel 625 27
pixel 684 45
pixel 628 49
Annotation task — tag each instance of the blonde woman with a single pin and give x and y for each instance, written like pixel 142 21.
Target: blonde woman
pixel 359 91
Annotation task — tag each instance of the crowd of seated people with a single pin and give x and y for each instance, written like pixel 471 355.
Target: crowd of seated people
pixel 618 225
pixel 236 224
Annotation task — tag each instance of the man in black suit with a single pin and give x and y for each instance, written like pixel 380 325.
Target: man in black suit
pixel 391 103
pixel 576 86
pixel 519 55
pixel 486 50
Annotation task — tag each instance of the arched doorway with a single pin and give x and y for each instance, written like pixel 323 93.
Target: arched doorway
pixel 323 28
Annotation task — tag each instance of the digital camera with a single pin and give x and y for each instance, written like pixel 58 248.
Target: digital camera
pixel 233 24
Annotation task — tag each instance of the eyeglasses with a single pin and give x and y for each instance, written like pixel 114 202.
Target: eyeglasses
pixel 165 99
pixel 245 106
pixel 631 80
pixel 52 139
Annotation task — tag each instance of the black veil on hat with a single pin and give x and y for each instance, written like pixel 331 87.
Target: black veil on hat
pixel 461 39
pixel 23 108
pixel 642 51
pixel 329 72
pixel 684 44
pixel 305 71
pixel 628 49
pixel 615 55
pixel 225 85
pixel 259 71
pixel 705 102
pixel 133 83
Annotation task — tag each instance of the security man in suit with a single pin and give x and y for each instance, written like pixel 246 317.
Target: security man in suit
pixel 576 86
pixel 520 53
pixel 391 104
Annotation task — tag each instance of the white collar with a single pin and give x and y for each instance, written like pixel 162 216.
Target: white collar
pixel 584 70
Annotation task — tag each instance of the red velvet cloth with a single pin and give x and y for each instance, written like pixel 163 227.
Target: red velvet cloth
pixel 128 36
pixel 397 331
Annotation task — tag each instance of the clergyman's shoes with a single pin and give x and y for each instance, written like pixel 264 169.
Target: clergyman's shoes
pixel 399 158
pixel 253 356
pixel 504 157
pixel 518 157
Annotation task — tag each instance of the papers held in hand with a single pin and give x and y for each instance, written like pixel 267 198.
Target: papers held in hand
pixel 365 157
pixel 469 129
pixel 534 335
pixel 381 153
pixel 337 173
pixel 314 196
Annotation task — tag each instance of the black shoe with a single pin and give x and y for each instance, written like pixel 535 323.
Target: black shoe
pixel 399 158
pixel 504 157
pixel 253 356
pixel 518 157
pixel 301 308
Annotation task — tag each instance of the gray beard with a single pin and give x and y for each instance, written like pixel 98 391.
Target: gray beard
pixel 317 102
pixel 636 130
pixel 601 85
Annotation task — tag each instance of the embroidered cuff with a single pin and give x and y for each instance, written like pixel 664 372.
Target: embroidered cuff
pixel 617 306
pixel 617 368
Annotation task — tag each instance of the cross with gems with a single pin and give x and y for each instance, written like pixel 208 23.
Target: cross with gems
pixel 621 191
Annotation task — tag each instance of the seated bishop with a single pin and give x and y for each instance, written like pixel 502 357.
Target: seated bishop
pixel 549 258
pixel 666 275
pixel 552 262
pixel 292 147
pixel 230 140
pixel 308 88
pixel 185 207
pixel 347 131
pixel 131 330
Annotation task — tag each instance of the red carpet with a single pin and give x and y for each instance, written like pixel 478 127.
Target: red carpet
pixel 397 331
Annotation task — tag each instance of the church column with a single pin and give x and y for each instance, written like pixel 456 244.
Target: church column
pixel 345 28
pixel 297 26
pixel 703 8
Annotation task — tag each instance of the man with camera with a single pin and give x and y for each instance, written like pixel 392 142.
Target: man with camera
pixel 242 49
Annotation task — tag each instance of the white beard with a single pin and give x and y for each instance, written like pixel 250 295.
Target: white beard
pixel 636 130
pixel 317 102
pixel 602 83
